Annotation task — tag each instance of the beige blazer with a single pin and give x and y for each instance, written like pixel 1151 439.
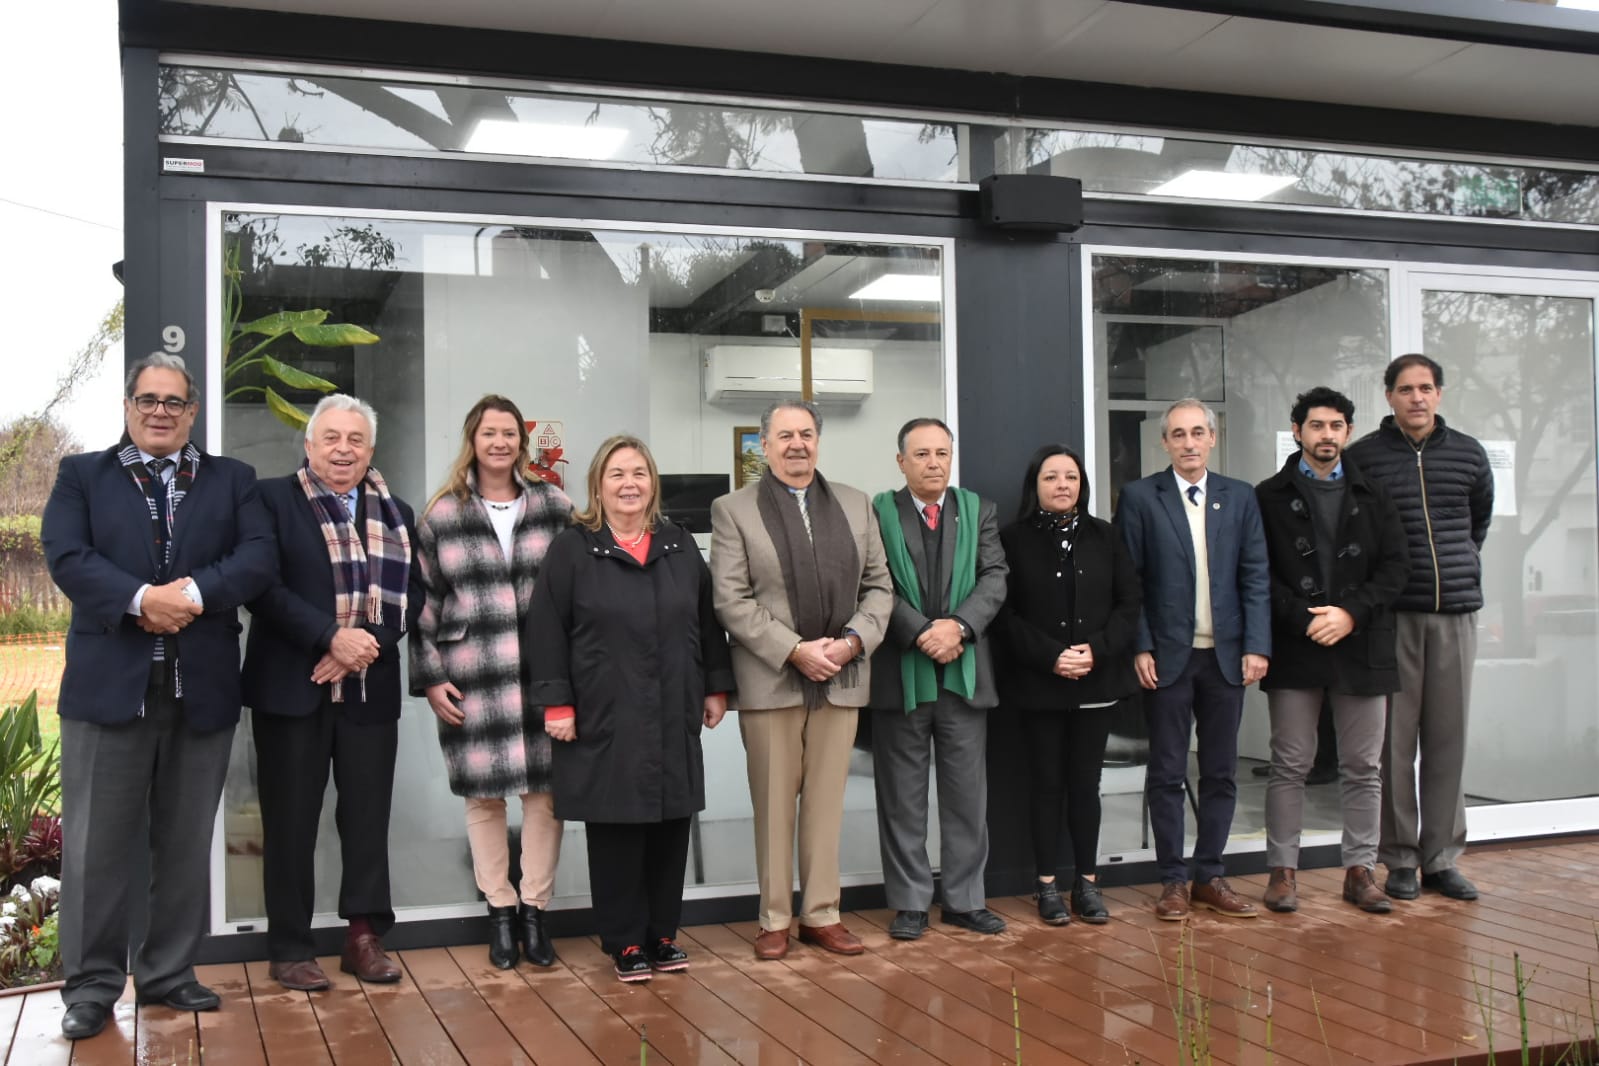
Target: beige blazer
pixel 752 604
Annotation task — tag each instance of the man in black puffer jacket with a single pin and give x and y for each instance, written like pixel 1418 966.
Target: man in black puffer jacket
pixel 1441 481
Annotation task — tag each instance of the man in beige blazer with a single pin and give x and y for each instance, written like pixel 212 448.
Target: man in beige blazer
pixel 802 587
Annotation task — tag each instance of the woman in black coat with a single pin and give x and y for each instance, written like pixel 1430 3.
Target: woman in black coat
pixel 629 661
pixel 1070 619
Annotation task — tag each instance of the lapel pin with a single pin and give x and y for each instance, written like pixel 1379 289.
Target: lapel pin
pixel 1215 506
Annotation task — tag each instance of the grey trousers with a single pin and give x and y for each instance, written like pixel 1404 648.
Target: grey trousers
pixel 1428 715
pixel 1359 721
pixel 111 777
pixel 953 736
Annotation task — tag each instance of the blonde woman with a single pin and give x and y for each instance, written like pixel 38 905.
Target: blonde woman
pixel 481 543
pixel 628 658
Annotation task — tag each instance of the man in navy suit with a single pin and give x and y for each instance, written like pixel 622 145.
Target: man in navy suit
pixel 322 680
pixel 156 544
pixel 1203 635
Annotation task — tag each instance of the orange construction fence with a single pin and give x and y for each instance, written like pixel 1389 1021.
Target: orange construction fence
pixel 30 662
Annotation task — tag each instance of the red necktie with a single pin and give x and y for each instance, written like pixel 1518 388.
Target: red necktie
pixel 930 512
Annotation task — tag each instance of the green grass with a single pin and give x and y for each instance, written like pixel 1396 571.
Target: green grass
pixel 25 668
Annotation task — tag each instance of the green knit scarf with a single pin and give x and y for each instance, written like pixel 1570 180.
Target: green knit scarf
pixel 918 676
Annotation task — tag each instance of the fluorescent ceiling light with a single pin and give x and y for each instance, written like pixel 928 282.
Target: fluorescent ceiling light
pixel 921 288
pixel 500 136
pixel 1222 185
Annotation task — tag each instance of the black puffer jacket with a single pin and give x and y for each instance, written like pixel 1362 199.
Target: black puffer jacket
pixel 1444 489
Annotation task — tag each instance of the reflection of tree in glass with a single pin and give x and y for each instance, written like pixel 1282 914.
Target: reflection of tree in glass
pixel 190 99
pixel 1520 368
pixel 359 247
pixel 701 135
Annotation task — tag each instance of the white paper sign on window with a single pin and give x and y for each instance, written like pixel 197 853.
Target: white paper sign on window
pixel 1502 458
pixel 1286 446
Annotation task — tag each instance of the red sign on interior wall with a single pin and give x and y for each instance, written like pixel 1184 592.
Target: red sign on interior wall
pixel 545 444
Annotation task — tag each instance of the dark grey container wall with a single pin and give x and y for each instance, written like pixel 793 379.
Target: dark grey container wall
pixel 1019 385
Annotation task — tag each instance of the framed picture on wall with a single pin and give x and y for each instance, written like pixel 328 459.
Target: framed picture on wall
pixel 749 462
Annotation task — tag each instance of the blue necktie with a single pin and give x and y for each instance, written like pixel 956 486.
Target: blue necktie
pixel 1193 495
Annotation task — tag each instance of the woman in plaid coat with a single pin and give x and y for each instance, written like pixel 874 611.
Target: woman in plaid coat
pixel 480 544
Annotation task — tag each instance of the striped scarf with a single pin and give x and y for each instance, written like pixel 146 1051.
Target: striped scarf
pixel 370 573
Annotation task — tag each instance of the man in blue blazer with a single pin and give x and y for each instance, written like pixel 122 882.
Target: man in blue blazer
pixel 156 544
pixel 1200 642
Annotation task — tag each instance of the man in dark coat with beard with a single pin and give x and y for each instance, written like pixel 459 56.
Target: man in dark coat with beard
pixel 1338 560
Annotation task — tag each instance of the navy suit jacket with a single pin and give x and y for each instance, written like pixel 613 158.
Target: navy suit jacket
pixel 1153 523
pixel 292 622
pixel 98 544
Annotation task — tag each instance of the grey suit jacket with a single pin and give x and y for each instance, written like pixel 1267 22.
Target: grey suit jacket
pixel 752 604
pixel 977 610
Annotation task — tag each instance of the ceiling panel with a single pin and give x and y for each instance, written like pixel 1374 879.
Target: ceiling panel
pixel 1122 43
pixel 845 29
pixel 1558 87
pixel 1091 40
pixel 984 35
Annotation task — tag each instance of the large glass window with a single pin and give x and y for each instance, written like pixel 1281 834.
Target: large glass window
pixel 329 108
pixel 682 338
pixel 1518 358
pixel 316 107
pixel 1246 338
pixel 1132 163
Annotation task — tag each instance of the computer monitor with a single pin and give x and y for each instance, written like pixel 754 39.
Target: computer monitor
pixel 686 498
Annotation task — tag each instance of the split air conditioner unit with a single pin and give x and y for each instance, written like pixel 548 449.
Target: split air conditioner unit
pixel 736 372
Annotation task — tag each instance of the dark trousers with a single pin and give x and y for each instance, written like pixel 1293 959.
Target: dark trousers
pixel 1200 699
pixel 636 880
pixel 293 755
pixel 1066 751
pixel 115 780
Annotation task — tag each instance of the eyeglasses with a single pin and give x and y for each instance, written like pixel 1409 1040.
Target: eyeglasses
pixel 147 404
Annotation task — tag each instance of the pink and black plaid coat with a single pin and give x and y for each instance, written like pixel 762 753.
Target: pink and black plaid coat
pixel 469 633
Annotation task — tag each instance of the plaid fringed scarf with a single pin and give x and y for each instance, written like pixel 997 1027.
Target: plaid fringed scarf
pixel 162 525
pixel 370 573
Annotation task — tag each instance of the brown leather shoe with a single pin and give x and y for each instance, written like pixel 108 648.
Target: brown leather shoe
pixel 1218 896
pixel 1173 903
pixel 364 956
pixel 771 944
pixel 834 938
pixel 303 975
pixel 1282 893
pixel 1360 888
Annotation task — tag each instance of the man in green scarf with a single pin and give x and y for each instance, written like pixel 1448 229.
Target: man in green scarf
pixel 933 684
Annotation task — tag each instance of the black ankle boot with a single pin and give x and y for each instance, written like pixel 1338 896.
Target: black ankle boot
pixel 1051 909
pixel 535 938
pixel 1087 903
pixel 502 936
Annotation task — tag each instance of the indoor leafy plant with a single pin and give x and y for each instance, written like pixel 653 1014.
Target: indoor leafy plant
pixel 242 350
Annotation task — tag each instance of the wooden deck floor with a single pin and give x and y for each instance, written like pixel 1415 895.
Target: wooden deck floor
pixel 1329 985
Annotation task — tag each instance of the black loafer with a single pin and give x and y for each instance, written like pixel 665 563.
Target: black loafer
pixel 908 925
pixel 1449 882
pixel 1402 883
pixel 83 1020
pixel 189 996
pixel 982 920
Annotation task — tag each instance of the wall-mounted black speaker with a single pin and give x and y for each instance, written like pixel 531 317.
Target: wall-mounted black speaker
pixel 1043 202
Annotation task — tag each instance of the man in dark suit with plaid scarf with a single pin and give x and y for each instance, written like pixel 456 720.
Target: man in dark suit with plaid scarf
pixel 322 680
pixel 156 544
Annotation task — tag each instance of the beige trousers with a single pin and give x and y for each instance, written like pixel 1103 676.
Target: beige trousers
pixel 491 850
pixel 798 758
